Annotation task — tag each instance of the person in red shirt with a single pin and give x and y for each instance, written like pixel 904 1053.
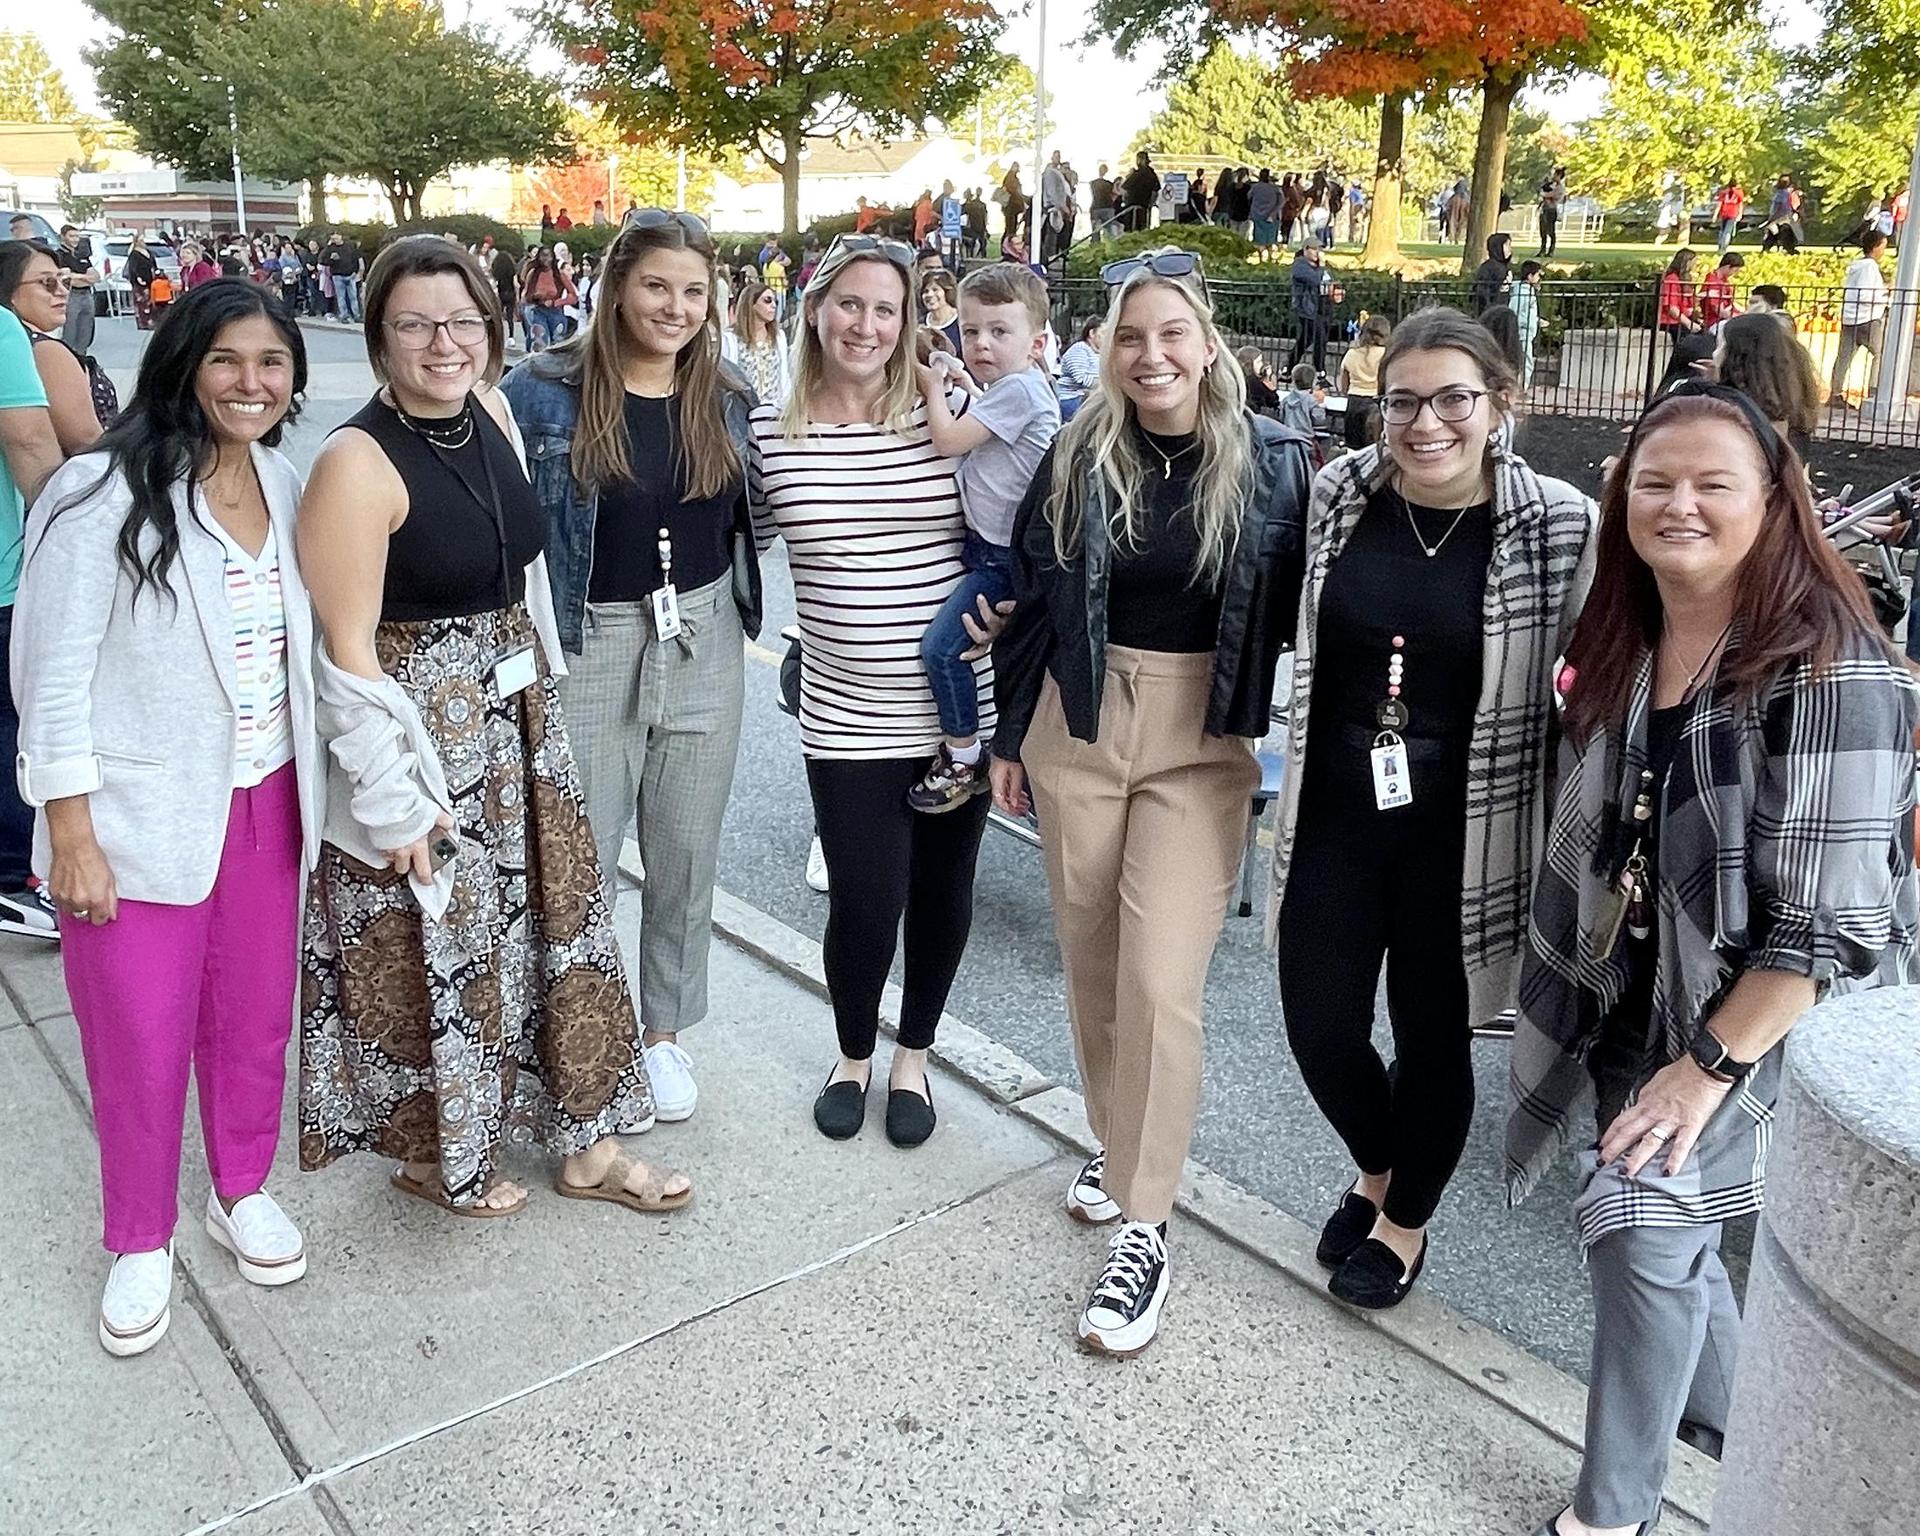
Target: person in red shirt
pixel 562 220
pixel 924 217
pixel 1716 291
pixel 1732 200
pixel 864 215
pixel 1680 318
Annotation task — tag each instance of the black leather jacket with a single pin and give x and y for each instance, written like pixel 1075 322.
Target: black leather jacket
pixel 1059 623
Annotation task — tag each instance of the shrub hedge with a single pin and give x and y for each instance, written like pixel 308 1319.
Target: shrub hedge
pixel 468 228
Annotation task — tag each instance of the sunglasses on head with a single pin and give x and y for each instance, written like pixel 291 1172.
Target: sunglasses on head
pixel 846 247
pixel 1763 429
pixel 659 218
pixel 1160 263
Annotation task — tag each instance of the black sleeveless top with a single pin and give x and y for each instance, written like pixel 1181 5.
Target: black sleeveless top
pixel 444 561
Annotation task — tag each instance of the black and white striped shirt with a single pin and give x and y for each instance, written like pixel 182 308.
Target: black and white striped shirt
pixel 873 529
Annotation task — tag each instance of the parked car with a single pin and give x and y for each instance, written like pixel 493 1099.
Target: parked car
pixel 42 230
pixel 110 251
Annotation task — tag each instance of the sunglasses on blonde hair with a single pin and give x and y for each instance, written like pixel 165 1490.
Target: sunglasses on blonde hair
pixel 846 247
pixel 659 218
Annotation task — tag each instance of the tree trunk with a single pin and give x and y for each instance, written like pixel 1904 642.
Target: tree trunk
pixel 317 198
pixel 1383 222
pixel 790 140
pixel 397 195
pixel 1489 166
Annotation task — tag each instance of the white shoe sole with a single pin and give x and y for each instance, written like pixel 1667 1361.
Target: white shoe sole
pixel 260 1274
pixel 1126 1342
pixel 125 1344
pixel 27 930
pixel 1103 1214
pixel 674 1116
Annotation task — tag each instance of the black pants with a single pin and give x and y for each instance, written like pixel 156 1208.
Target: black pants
pixel 1310 332
pixel 1549 231
pixel 1364 885
pixel 16 816
pixel 886 861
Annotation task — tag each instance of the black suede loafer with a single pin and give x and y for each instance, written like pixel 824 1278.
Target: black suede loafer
pixel 841 1109
pixel 910 1118
pixel 1346 1229
pixel 1374 1278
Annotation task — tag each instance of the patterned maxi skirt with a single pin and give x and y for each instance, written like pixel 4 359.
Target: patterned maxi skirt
pixel 507 1021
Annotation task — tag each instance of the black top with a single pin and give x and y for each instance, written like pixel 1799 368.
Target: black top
pixel 140 267
pixel 445 561
pixel 626 533
pixel 1383 584
pixel 1153 603
pixel 1261 396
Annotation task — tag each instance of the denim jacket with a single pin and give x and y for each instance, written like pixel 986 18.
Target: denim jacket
pixel 544 394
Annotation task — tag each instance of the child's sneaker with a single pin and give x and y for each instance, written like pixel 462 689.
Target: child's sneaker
pixel 949 784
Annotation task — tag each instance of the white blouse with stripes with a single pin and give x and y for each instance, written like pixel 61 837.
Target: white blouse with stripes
pixel 873 529
pixel 263 725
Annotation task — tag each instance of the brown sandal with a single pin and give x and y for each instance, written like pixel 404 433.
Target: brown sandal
pixel 431 1191
pixel 651 1196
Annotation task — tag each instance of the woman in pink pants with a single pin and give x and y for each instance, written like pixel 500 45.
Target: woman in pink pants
pixel 162 666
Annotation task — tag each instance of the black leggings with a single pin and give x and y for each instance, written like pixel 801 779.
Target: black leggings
pixel 1366 884
pixel 885 860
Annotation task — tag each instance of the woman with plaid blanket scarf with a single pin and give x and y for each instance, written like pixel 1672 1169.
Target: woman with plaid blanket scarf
pixel 1733 836
pixel 1443 576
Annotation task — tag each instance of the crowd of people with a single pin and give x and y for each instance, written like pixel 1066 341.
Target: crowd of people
pixel 382 734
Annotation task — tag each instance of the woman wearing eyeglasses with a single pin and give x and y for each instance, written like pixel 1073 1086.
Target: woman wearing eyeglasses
pixel 1156 577
pixel 637 434
pixel 34 287
pixel 1443 577
pixel 848 474
pixel 461 984
pixel 1733 836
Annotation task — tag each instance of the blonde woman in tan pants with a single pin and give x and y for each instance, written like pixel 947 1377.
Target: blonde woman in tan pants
pixel 1156 577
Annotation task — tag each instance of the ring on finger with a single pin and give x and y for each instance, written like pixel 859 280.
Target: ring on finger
pixel 1661 1133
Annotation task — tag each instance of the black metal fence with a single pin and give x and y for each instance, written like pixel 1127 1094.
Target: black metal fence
pixel 1600 352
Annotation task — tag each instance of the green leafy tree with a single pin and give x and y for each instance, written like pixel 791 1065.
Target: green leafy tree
pixel 765 76
pixel 1693 89
pixel 1001 117
pixel 32 89
pixel 1856 99
pixel 152 75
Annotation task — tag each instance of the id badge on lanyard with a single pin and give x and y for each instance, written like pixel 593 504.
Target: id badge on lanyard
pixel 1392 782
pixel 665 599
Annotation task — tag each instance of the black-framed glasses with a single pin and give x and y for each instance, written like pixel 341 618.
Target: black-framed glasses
pixel 660 218
pixel 1454 403
pixel 1160 263
pixel 846 247
pixel 1756 418
pixel 415 333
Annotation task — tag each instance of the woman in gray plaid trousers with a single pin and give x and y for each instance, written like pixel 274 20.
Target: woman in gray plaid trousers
pixel 1733 837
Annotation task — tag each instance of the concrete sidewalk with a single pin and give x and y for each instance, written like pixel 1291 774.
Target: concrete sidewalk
pixel 833 1338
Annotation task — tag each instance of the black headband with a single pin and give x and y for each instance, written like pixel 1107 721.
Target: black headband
pixel 1770 443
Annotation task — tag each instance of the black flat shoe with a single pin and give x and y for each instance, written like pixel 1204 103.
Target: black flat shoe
pixel 841 1109
pixel 1346 1229
pixel 1373 1276
pixel 910 1118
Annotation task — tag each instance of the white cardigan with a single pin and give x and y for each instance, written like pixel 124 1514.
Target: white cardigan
pixel 133 704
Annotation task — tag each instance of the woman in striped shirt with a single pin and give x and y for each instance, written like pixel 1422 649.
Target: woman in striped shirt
pixel 847 473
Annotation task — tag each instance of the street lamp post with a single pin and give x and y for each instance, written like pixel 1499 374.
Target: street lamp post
pixel 233 135
pixel 1039 116
pixel 1898 371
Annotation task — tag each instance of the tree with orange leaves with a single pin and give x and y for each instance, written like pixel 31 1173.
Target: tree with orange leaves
pixel 1392 51
pixel 766 76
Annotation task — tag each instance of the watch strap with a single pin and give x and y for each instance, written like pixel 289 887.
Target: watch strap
pixel 1713 1058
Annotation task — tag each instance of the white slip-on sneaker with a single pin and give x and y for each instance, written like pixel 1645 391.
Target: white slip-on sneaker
pixel 1087 1197
pixel 817 868
pixel 264 1242
pixel 1124 1310
pixel 670 1070
pixel 137 1302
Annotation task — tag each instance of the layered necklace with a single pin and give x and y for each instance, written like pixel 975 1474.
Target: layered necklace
pixel 442 432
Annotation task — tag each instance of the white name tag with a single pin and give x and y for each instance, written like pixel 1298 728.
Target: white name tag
pixel 666 612
pixel 514 671
pixel 1392 784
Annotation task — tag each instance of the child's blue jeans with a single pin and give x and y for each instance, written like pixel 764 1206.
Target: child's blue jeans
pixel 989 574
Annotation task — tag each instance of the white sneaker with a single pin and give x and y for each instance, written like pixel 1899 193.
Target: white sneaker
pixel 817 868
pixel 30 912
pixel 137 1302
pixel 263 1241
pixel 670 1070
pixel 1087 1197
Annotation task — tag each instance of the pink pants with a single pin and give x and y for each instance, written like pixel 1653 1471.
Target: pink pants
pixel 211 985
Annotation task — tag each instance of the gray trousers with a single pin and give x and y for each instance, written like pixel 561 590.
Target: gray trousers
pixel 1870 338
pixel 1665 1333
pixel 655 729
pixel 77 332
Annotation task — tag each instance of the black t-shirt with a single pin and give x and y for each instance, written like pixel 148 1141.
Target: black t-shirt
pixel 1153 603
pixel 1261 396
pixel 1142 186
pixel 1101 190
pixel 1384 584
pixel 343 260
pixel 626 534
pixel 501 269
pixel 76 260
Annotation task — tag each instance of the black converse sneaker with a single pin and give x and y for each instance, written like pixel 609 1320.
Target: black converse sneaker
pixel 1124 1309
pixel 949 784
pixel 1087 1197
